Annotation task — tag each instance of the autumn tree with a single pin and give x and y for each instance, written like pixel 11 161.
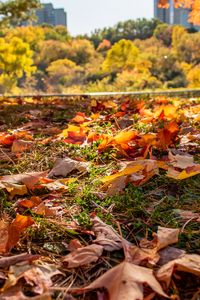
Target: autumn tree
pixel 163 32
pixel 13 12
pixel 79 51
pixel 32 35
pixel 15 62
pixel 64 72
pixel 186 46
pixel 122 55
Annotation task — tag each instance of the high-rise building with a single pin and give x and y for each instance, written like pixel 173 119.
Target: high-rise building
pixel 47 14
pixel 173 15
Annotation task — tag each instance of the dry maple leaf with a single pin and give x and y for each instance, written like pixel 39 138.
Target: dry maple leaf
pixel 181 161
pixel 6 262
pixel 106 236
pixel 189 263
pixel 37 276
pixel 20 146
pixel 137 172
pixel 148 251
pixel 83 256
pixel 28 179
pixel 14 189
pixel 125 281
pixel 189 172
pixel 169 254
pixel 66 165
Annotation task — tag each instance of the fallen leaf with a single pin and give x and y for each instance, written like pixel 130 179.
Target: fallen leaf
pixel 125 281
pixel 6 139
pixel 66 165
pixel 181 161
pixel 28 179
pixel 136 172
pixel 83 256
pixel 37 276
pixel 189 263
pixel 6 262
pixel 189 172
pixel 166 136
pixel 106 236
pixel 15 189
pixel 30 203
pixel 186 215
pixel 15 293
pixel 20 146
pixel 170 253
pixel 16 228
pixel 148 251
pixel 4 227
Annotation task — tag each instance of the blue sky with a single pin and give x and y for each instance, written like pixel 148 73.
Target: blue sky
pixel 86 15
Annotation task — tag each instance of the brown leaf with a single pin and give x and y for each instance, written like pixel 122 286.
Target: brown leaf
pixel 170 253
pixel 4 227
pixel 66 165
pixel 15 189
pixel 147 252
pixel 20 146
pixel 137 172
pixel 189 172
pixel 15 293
pixel 181 161
pixel 106 236
pixel 6 262
pixel 125 281
pixel 28 179
pixel 38 277
pixel 83 256
pixel 187 215
pixel 189 263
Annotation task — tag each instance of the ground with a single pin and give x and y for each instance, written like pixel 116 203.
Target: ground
pixel 157 138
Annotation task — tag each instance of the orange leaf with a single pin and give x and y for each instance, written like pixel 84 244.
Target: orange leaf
pixel 16 228
pixel 6 139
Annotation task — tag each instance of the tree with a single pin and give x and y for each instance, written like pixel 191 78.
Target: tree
pixel 13 12
pixel 15 62
pixel 193 77
pixel 64 72
pixel 49 51
pixel 186 46
pixel 57 33
pixel 194 5
pixel 32 35
pixel 122 55
pixel 163 32
pixel 129 30
pixel 80 51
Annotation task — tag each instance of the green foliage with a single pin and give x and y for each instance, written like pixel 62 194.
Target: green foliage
pixel 14 12
pixel 121 56
pixel 129 30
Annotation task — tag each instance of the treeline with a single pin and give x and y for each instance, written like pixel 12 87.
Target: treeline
pixel 133 55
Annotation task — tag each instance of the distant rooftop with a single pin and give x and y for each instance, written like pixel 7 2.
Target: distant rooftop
pixel 173 15
pixel 47 14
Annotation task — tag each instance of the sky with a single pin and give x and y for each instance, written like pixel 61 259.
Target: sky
pixel 85 16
